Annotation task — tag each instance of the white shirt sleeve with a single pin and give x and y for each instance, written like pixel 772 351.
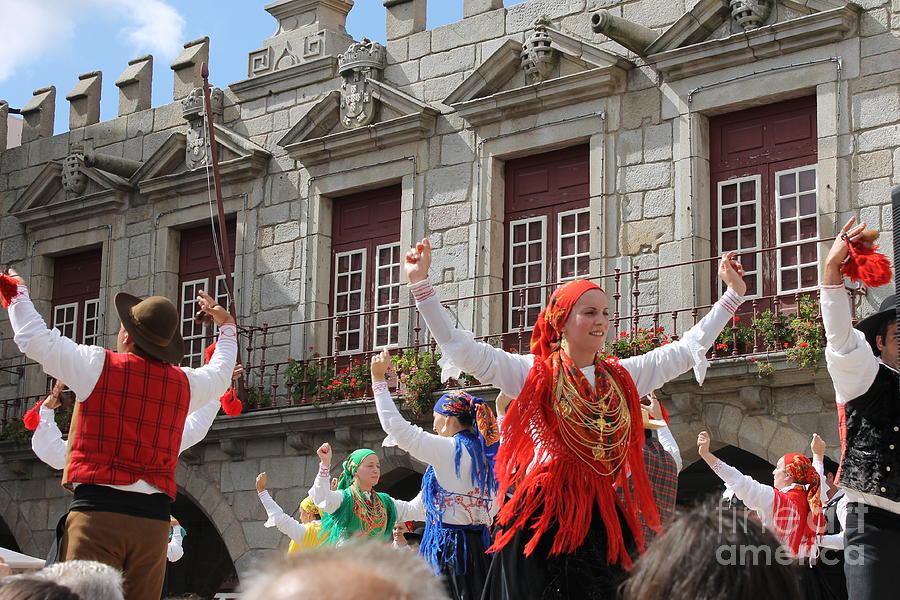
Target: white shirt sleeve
pixel 47 442
pixel 425 447
pixel 651 370
pixel 174 551
pixel 286 524
pixel 461 353
pixel 213 379
pixel 78 365
pixel 755 495
pixel 413 510
pixel 848 356
pixel 198 423
pixel 836 540
pixel 667 440
pixel 325 498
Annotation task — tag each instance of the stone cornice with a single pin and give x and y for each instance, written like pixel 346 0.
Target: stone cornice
pixel 773 40
pixel 282 80
pixel 537 97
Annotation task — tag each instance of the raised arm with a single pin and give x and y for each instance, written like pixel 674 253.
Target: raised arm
pixel 212 380
pixel 424 447
pixel 174 550
pixel 653 369
pixel 60 357
pixel 47 442
pixel 755 495
pixel 666 439
pixel 286 524
pixel 325 498
pixel 414 510
pixel 461 353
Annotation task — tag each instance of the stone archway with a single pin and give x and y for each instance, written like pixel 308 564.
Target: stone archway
pixel 205 494
pixel 401 475
pixel 17 525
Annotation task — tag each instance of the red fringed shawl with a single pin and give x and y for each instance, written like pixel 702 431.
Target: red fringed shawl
pixel 570 474
pixel 798 512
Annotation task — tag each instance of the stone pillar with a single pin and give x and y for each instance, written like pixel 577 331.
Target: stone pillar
pixel 135 85
pixel 4 123
pixel 38 115
pixel 84 100
pixel 404 17
pixel 187 67
pixel 476 7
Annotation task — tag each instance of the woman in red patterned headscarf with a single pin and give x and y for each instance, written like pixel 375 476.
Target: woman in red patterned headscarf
pixel 572 435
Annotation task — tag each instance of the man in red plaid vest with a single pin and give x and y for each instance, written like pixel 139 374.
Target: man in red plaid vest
pixel 126 427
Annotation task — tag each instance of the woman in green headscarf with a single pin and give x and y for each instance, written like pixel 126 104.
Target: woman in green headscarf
pixel 354 509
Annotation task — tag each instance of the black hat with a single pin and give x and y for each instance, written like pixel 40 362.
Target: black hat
pixel 871 324
pixel 415 536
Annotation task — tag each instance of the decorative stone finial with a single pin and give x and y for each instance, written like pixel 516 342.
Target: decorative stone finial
pixel 750 14
pixel 361 62
pixel 539 59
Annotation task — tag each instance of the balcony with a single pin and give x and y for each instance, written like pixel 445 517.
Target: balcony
pixel 766 330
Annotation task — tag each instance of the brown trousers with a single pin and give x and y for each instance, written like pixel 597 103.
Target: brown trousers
pixel 134 545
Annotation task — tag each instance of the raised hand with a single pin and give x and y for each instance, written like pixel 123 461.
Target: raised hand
pixel 324 453
pixel 210 307
pixel 381 362
pixel 703 443
pixel 261 480
pixel 817 446
pixel 53 401
pixel 15 275
pixel 732 273
pixel 654 408
pixel 418 261
pixel 238 372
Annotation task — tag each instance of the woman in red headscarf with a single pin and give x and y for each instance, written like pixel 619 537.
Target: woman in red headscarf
pixel 572 436
pixel 791 508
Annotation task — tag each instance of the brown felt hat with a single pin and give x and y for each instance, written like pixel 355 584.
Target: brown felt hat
pixel 153 324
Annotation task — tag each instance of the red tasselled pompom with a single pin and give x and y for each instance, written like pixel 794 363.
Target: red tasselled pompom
pixel 9 289
pixel 32 418
pixel 231 404
pixel 208 353
pixel 868 265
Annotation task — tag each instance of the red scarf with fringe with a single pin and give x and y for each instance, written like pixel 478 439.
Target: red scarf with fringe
pixel 798 515
pixel 577 466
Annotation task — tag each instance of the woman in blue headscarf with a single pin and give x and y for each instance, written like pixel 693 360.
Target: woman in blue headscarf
pixel 458 488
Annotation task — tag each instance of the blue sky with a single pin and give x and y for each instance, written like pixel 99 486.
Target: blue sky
pixel 51 42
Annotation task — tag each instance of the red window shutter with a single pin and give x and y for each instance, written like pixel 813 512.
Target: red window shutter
pixel 76 295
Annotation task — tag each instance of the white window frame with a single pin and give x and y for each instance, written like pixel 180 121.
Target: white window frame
pixel 187 313
pixel 393 327
pixel 578 233
pixel 757 179
pixel 61 324
pixel 94 339
pixel 336 333
pixel 778 220
pixel 512 311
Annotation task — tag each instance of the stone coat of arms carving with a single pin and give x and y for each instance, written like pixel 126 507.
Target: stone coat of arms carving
pixel 363 61
pixel 539 59
pixel 73 178
pixel 750 14
pixel 194 111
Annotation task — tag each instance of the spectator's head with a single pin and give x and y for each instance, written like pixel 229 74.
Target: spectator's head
pixel 29 588
pixel 376 571
pixel 400 527
pixel 714 553
pixel 89 579
pixel 831 469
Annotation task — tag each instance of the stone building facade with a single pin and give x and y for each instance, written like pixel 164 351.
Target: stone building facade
pixel 530 143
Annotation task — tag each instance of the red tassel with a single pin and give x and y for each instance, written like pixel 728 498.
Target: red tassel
pixel 9 289
pixel 231 404
pixel 868 265
pixel 32 418
pixel 208 353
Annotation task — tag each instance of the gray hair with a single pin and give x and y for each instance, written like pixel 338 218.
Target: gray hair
pixel 91 580
pixel 349 572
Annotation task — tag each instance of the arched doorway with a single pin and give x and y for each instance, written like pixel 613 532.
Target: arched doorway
pixel 401 483
pixel 697 482
pixel 206 566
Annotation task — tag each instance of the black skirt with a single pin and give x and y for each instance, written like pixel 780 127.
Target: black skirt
pixel 469 583
pixel 583 574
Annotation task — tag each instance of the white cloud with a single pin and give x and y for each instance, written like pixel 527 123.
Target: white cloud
pixel 30 28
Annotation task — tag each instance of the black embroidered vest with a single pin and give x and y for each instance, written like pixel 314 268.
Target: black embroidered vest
pixel 871 461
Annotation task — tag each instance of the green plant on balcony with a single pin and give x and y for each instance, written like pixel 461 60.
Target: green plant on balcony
pixel 419 376
pixel 352 381
pixel 305 378
pixel 737 334
pixel 633 342
pixel 257 397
